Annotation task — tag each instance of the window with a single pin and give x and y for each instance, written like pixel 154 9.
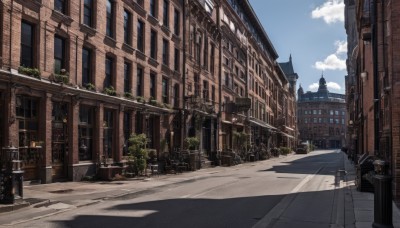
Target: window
pixel 109 72
pixel 60 6
pixel 153 44
pixel 176 22
pixel 85 132
pixel 140 35
pixel 212 59
pixel 336 113
pixel 127 132
pixel 127 77
pixel 227 79
pixel 108 133
pixel 315 112
pixel 59 54
pixel 153 85
pixel 198 49
pixel 342 121
pixel 86 66
pixel 305 120
pixel 205 54
pixel 166 13
pixel 88 13
pixel 336 121
pixel 320 120
pixel 331 120
pixel 165 52
pixel 176 95
pixel 165 90
pixel 331 112
pixel 139 82
pixel 213 93
pixel 127 27
pixel 27 49
pixel 196 85
pixel 315 120
pixel 205 90
pixel 110 18
pixel 177 60
pixel 153 8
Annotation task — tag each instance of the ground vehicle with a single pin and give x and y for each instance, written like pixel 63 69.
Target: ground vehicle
pixel 303 148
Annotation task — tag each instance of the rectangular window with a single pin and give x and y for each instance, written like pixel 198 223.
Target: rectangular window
pixel 176 95
pixel 336 113
pixel 27 49
pixel 165 90
pixel 153 85
pixel 140 36
pixel 153 44
pixel 127 77
pixel 196 85
pixel 315 120
pixel 198 49
pixel 127 27
pixel 213 93
pixel 60 6
pixel 85 132
pixel 108 133
pixel 205 54
pixel 139 82
pixel 177 60
pixel 153 8
pixel 127 132
pixel 212 59
pixel 165 52
pixel 110 18
pixel 88 13
pixel 59 54
pixel 86 66
pixel 205 90
pixel 331 120
pixel 176 22
pixel 109 72
pixel 166 13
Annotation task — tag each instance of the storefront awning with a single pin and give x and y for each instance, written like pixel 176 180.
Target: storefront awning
pixel 261 124
pixel 287 135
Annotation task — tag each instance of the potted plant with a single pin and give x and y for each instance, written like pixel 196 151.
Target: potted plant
pixel 137 153
pixel 141 99
pixel 90 86
pixel 33 72
pixel 110 91
pixel 192 143
pixel 128 95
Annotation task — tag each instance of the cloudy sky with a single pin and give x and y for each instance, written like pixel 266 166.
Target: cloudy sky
pixel 313 32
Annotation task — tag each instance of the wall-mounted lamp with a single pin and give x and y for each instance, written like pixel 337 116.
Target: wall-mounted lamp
pixel 364 76
pixel 350 122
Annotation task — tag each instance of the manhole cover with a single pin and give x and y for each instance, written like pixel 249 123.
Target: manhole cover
pixel 62 191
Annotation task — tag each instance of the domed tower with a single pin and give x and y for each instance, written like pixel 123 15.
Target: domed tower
pixel 322 89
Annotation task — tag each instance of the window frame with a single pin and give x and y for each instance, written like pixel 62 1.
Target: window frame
pixel 61 6
pixel 140 36
pixel 177 21
pixel 30 46
pixel 165 52
pixel 63 58
pixel 153 9
pixel 127 77
pixel 139 81
pixel 127 15
pixel 89 66
pixel 110 18
pixel 153 44
pixel 153 85
pixel 109 72
pixel 166 13
pixel 88 13
pixel 165 90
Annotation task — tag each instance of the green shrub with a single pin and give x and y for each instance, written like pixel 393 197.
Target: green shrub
pixel 33 72
pixel 61 78
pixel 137 155
pixel 110 91
pixel 140 99
pixel 90 86
pixel 284 150
pixel 192 143
pixel 128 95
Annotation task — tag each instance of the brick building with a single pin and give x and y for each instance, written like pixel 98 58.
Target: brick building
pixel 373 93
pixel 110 68
pixel 322 117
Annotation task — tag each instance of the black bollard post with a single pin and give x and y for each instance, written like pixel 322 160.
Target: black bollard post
pixel 383 196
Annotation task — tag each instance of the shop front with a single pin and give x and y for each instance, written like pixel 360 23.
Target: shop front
pixel 59 142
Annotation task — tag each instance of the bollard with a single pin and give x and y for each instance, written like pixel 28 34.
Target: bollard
pixel 383 196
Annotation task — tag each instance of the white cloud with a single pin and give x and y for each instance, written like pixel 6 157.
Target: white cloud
pixel 341 46
pixel 331 11
pixel 333 85
pixel 330 85
pixel 332 62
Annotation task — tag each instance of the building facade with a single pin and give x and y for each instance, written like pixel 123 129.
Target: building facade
pixel 322 117
pixel 373 93
pixel 78 77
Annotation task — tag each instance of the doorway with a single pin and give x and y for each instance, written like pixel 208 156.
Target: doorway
pixel 59 140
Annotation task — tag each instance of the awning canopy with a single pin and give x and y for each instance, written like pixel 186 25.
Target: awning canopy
pixel 287 135
pixel 261 123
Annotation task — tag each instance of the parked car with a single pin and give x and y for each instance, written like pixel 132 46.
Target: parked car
pixel 303 148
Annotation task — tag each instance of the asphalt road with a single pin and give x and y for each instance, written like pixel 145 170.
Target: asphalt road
pixel 296 191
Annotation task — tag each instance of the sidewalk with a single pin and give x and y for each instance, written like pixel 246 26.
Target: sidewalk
pixel 362 202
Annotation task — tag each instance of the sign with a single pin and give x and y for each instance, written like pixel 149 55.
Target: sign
pixel 243 103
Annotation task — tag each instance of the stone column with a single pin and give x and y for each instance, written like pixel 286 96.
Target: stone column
pixel 46 128
pixel 119 133
pixel 73 138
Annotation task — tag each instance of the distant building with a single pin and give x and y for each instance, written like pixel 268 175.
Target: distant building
pixel 322 117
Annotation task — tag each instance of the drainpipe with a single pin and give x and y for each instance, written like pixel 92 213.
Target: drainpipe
pixel 376 100
pixel 219 117
pixel 185 4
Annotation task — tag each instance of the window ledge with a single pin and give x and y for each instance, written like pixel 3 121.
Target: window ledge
pixel 140 55
pixel 166 30
pixel 88 30
pixel 153 62
pixel 154 21
pixel 139 9
pixel 176 38
pixel 61 18
pixel 110 41
pixel 128 48
pixel 165 69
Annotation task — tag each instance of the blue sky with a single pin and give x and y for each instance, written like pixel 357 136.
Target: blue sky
pixel 313 32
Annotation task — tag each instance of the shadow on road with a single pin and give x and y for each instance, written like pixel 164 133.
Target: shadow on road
pixel 310 164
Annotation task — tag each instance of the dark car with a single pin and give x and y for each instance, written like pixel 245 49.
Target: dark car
pixel 303 148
